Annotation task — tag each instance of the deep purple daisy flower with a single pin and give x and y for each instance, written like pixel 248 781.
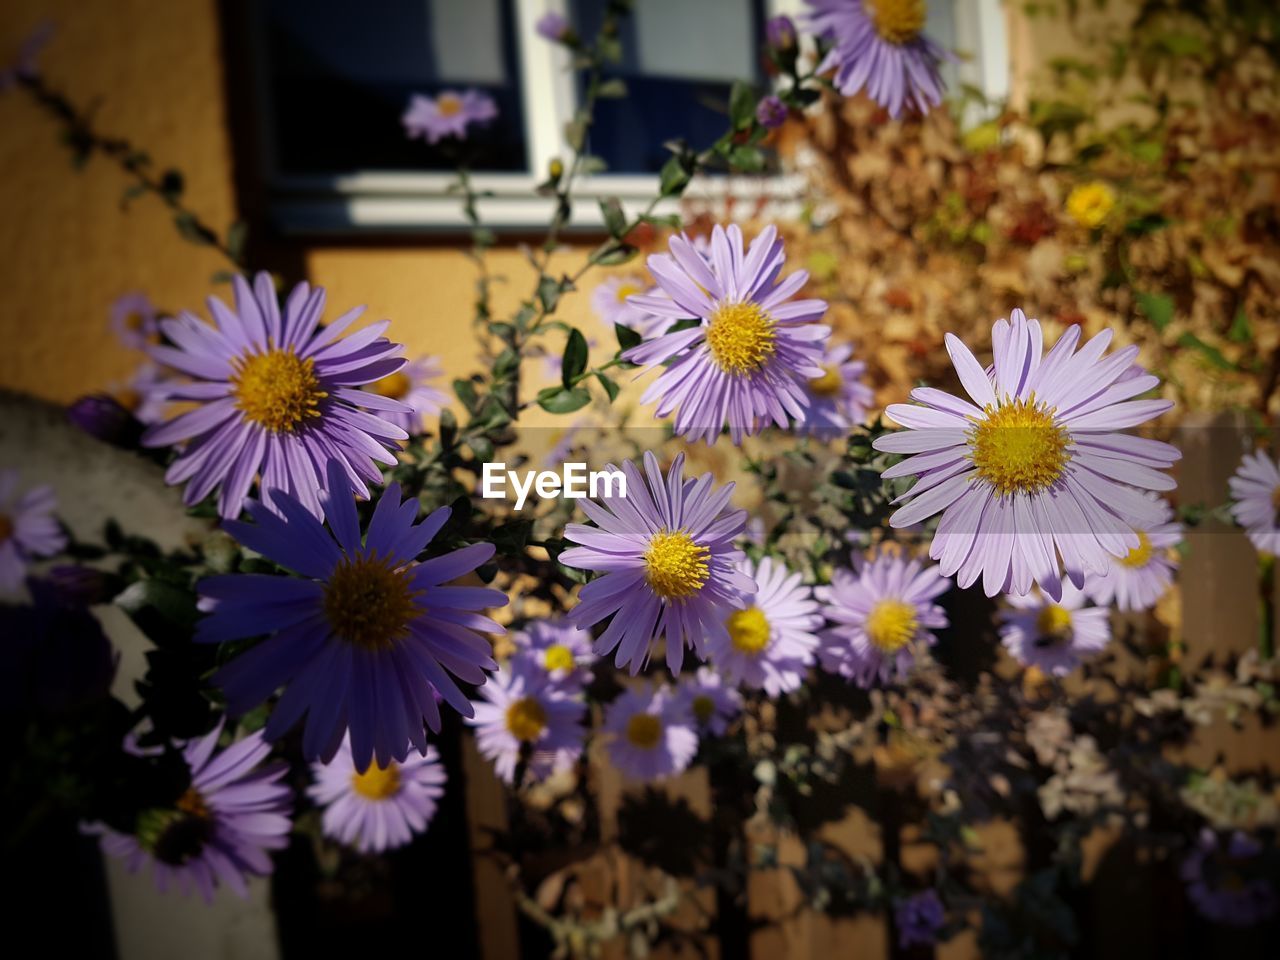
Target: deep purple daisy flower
pixel 708 703
pixel 523 711
pixel 1034 466
pixel 748 360
pixel 447 114
pixel 1255 495
pixel 558 649
pixel 1055 637
pixel 411 386
pixel 364 641
pixel 770 644
pixel 669 562
pixel 880 46
pixel 28 529
pixel 883 615
pixel 1140 578
pixel 1227 882
pixel 919 919
pixel 382 808
pixel 277 398
pixel 221 829
pixel 647 736
pixel 134 320
pixel 839 399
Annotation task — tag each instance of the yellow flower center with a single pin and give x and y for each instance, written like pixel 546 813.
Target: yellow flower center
pixel 134 320
pixel 369 603
pixel 193 804
pixel 393 386
pixel 829 384
pixel 448 105
pixel 1054 623
pixel 130 399
pixel 526 719
pixel 644 730
pixel 674 566
pixel 627 290
pixel 1089 203
pixel 1017 447
pixel 748 630
pixel 558 657
pixel 898 21
pixel 741 337
pixel 6 527
pixel 377 783
pixel 891 625
pixel 277 390
pixel 1140 555
pixel 703 708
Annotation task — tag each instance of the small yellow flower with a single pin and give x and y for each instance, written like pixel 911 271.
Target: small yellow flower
pixel 1090 203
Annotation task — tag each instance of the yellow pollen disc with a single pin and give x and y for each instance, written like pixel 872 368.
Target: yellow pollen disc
pixel 377 783
pixel 526 719
pixel 6 527
pixel 369 603
pixel 1090 203
pixel 1054 622
pixel 644 730
pixel 741 337
pixel 1140 555
pixel 1018 448
pixel 134 321
pixel 129 399
pixel 748 630
pixel 448 105
pixel 277 390
pixel 192 803
pixel 828 384
pixel 674 566
pixel 703 708
pixel 627 290
pixel 898 21
pixel 891 625
pixel 393 386
pixel 558 657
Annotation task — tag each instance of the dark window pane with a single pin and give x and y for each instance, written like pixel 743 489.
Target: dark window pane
pixel 340 75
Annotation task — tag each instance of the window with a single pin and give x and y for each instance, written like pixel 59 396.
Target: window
pixel 334 79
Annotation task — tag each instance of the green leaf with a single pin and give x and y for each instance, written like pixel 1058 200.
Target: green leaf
pixel 574 360
pixel 237 237
pixel 613 253
pixel 448 428
pixel 742 105
pixel 674 177
pixel 513 536
pixel 575 133
pixel 193 231
pixel 1241 331
pixel 1158 307
pixel 746 159
pixel 1211 353
pixel 612 88
pixel 482 447
pixel 627 338
pixel 610 387
pixel 560 400
pixel 615 220
pixel 549 293
pixel 590 164
pixel 466 392
pixel 687 324
pixel 506 363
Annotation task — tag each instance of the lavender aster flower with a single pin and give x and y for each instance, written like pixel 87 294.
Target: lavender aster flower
pixel 1255 492
pixel 276 397
pixel 523 711
pixel 1140 578
pixel 223 826
pixel 647 736
pixel 105 418
pixel 1054 636
pixel 1226 883
pixel 754 349
pixel 880 46
pixel 1034 465
pixel 134 320
pixel 770 644
pixel 28 529
pixel 883 614
pixel 707 702
pixel 558 649
pixel 838 400
pixel 448 114
pixel 613 302
pixel 554 27
pixel 382 808
pixel 666 551
pixel 411 386
pixel 362 643
pixel 771 112
pixel 146 393
pixel 780 32
pixel 919 919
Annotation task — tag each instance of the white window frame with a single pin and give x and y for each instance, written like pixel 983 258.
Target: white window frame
pixel 408 202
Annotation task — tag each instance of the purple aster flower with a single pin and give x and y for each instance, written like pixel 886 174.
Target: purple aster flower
pixel 134 320
pixel 23 66
pixel 554 27
pixel 447 114
pixel 771 112
pixel 748 360
pixel 1141 577
pixel 1255 492
pixel 780 32
pixel 146 393
pixel 884 615
pixel 919 919
pixel 1034 465
pixel 669 563
pixel 277 398
pixel 612 301
pixel 1227 884
pixel 707 703
pixel 221 829
pixel 647 736
pixel 1054 637
pixel 70 584
pixel 524 712
pixel 104 418
pixel 362 642
pixel 411 386
pixel 771 644
pixel 838 400
pixel 880 46
pixel 559 649
pixel 28 529
pixel 382 808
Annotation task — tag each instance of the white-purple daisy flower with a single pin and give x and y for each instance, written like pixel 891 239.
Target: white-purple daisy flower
pixel 28 528
pixel 523 712
pixel 707 701
pixel 411 386
pixel 382 808
pixel 1034 466
pixel 770 644
pixel 559 649
pixel 668 561
pixel 223 826
pixel 612 301
pixel 277 398
pixel 134 320
pixel 1226 882
pixel 1255 495
pixel 839 399
pixel 365 639
pixel 883 616
pixel 754 349
pixel 1140 578
pixel 880 46
pixel 647 736
pixel 1054 636
pixel 447 114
